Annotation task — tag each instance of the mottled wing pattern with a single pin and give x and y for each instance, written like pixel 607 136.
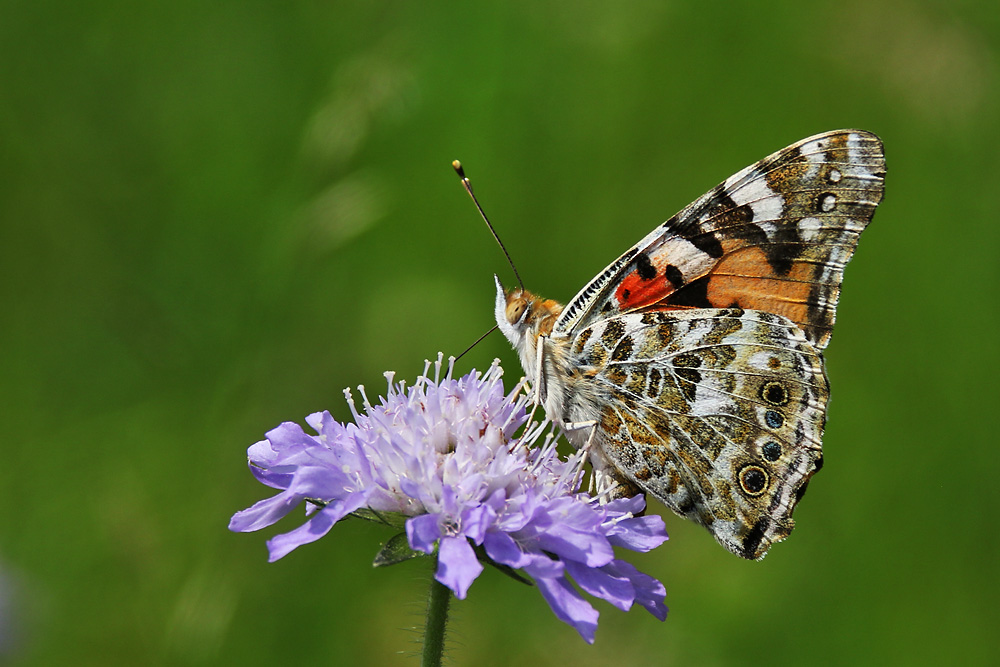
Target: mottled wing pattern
pixel 773 237
pixel 716 412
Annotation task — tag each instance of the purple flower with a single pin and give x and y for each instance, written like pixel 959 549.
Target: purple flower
pixel 443 457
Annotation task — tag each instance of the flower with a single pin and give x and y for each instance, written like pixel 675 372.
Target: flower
pixel 443 455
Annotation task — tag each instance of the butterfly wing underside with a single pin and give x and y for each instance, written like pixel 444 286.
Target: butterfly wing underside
pixel 717 412
pixel 773 237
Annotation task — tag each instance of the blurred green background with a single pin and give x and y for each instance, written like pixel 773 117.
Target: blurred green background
pixel 215 216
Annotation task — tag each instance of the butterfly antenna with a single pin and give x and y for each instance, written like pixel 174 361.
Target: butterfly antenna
pixel 478 341
pixel 468 188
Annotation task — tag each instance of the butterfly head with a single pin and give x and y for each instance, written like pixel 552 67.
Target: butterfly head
pixel 523 317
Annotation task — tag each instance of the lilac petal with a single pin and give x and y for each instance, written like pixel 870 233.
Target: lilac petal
pixel 313 483
pixel 497 501
pixel 641 533
pixel 541 566
pixel 617 590
pixel 648 591
pixel 285 439
pixel 569 606
pixel 324 423
pixel 450 503
pixel 590 547
pixel 423 532
pixel 263 513
pixel 317 482
pixel 263 454
pixel 458 566
pixel 277 477
pixel 316 527
pixel 476 520
pixel 571 512
pixel 502 548
pixel 418 490
pixel 632 505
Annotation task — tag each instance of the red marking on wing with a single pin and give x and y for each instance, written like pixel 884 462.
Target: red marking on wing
pixel 635 292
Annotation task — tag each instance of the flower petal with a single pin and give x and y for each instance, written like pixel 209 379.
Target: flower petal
pixel 569 606
pixel 632 505
pixel 502 548
pixel 476 520
pixel 617 590
pixel 458 566
pixel 264 512
pixel 641 533
pixel 423 532
pixel 649 592
pixel 589 547
pixel 317 526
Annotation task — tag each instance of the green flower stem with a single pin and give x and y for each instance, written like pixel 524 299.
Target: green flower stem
pixel 437 619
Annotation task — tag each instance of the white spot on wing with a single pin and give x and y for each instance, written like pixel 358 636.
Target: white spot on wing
pixel 812 151
pixel 765 203
pixel 854 225
pixel 689 259
pixel 857 155
pixel 809 229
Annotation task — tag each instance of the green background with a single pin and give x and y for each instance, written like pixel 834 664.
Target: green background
pixel 216 216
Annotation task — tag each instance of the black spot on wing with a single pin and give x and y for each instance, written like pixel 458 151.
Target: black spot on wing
pixel 784 249
pixel 644 267
pixel 613 331
pixel 749 232
pixel 771 451
pixel 752 540
pixel 674 275
pixel 708 243
pixel 693 295
pixel 623 351
pixel 685 367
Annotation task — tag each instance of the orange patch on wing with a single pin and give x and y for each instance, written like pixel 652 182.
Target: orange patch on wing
pixel 745 278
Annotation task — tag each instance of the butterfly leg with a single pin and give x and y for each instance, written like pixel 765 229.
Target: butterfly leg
pixel 619 486
pixel 587 445
pixel 535 391
pixel 606 480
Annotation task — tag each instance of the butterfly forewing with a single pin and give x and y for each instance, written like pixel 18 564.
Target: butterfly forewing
pixel 774 237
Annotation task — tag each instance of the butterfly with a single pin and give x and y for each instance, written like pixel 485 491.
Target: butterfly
pixel 692 366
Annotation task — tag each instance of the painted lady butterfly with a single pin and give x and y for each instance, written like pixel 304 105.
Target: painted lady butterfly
pixel 693 363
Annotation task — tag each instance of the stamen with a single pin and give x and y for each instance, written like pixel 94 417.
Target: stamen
pixel 350 402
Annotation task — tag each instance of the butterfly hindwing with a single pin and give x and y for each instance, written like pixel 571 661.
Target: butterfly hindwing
pixel 773 237
pixel 717 413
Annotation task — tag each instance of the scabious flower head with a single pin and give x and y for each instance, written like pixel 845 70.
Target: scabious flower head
pixel 443 455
